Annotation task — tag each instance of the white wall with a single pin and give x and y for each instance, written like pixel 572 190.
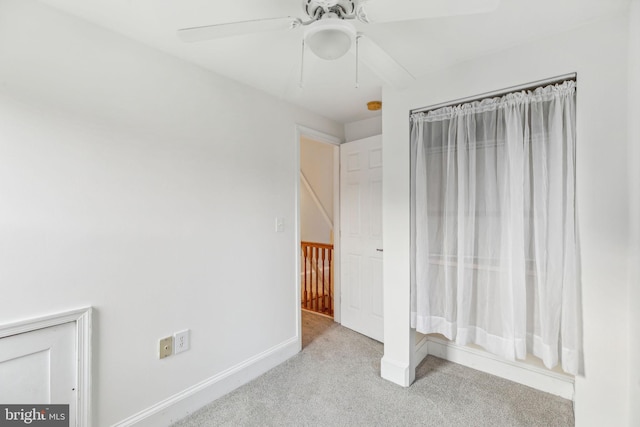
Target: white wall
pixel 141 185
pixel 313 224
pixel 598 53
pixel 316 163
pixel 361 129
pixel 634 213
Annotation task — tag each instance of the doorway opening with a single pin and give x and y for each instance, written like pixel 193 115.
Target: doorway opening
pixel 318 210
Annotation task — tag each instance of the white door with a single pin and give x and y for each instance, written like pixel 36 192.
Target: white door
pixel 39 367
pixel 361 236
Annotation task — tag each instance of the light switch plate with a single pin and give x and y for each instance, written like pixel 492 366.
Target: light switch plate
pixel 166 347
pixel 279 224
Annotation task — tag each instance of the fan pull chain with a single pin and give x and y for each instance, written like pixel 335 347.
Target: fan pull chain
pixel 357 62
pixel 301 83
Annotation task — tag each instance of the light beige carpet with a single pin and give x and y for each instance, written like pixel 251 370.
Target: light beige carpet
pixel 335 381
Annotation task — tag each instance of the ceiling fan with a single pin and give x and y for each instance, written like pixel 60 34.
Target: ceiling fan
pixel 329 30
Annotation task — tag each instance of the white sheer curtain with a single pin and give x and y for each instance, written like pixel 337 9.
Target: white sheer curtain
pixel 494 244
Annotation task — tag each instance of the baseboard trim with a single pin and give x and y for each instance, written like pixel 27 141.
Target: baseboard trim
pixel 522 373
pixel 396 372
pixel 319 314
pixel 422 350
pixel 182 404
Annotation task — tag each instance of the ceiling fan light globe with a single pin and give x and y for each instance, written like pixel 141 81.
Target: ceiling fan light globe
pixel 330 38
pixel 329 44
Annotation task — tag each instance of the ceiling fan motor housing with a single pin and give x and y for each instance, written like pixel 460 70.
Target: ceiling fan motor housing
pixel 317 8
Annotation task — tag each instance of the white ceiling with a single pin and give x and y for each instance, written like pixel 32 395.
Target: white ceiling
pixel 271 61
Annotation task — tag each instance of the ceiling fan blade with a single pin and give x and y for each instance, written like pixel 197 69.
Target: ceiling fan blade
pixel 381 63
pixel 374 11
pixel 210 32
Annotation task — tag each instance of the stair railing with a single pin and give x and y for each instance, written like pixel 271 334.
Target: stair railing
pixel 317 277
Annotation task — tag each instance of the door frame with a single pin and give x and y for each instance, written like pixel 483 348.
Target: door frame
pixel 335 141
pixel 82 319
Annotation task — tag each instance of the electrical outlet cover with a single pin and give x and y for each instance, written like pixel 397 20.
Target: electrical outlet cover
pixel 181 341
pixel 166 347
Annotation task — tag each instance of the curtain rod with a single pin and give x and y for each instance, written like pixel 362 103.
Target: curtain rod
pixel 526 86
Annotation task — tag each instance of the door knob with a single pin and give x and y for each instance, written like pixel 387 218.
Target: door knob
pixel 379 249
